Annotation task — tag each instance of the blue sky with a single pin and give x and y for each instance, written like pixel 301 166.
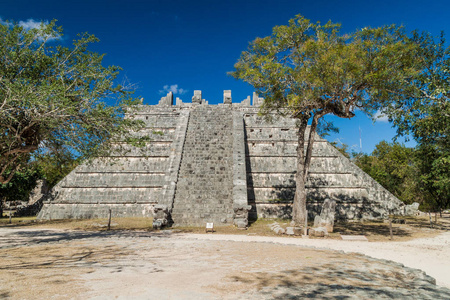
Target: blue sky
pixel 191 45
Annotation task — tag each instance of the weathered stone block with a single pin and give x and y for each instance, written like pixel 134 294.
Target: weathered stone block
pixel 326 218
pixel 412 209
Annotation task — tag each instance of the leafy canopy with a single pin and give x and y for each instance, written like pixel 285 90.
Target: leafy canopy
pixel 55 95
pixel 307 68
pixel 393 166
pixel 426 116
pixel 306 71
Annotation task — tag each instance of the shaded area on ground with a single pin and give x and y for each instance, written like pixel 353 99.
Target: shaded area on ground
pixel 163 265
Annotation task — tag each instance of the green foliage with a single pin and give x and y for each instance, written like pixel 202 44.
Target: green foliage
pixel 393 166
pixel 434 176
pixel 54 95
pixel 426 116
pixel 19 188
pixel 55 164
pixel 341 147
pixel 306 68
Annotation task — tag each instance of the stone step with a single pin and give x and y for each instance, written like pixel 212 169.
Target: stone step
pixel 205 183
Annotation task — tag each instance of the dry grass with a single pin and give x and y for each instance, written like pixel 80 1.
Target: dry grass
pixel 129 223
pixel 415 227
pixel 259 227
pixel 17 221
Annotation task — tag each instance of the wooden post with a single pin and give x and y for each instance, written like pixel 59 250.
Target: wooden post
pixel 431 222
pixel 306 223
pixel 10 220
pixel 109 220
pixel 390 227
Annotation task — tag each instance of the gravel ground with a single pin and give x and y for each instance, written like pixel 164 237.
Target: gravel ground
pixel 431 255
pixel 52 264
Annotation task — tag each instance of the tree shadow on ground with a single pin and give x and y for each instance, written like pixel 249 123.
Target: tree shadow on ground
pixel 20 238
pixel 339 281
pixel 361 228
pixel 67 256
pixel 443 223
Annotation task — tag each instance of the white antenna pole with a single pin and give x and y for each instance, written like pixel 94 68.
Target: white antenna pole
pixel 360 140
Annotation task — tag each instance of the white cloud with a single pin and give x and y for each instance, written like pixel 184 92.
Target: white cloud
pixel 380 117
pixel 30 24
pixel 172 88
pixel 5 23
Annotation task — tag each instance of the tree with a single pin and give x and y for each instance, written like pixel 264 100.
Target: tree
pixel 434 177
pixel 55 164
pixel 393 166
pixel 55 95
pixel 18 188
pixel 426 116
pixel 306 71
pixel 341 147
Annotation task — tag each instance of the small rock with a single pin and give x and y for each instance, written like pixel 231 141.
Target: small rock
pixel 279 230
pixel 412 209
pixel 240 223
pixel 298 231
pixel 290 230
pixel 318 232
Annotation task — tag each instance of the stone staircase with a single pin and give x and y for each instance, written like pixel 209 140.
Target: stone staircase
pixel 204 190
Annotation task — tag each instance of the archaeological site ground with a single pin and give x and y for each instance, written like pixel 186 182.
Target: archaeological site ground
pixel 222 164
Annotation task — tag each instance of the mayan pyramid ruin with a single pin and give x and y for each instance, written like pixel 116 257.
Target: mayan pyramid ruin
pixel 215 163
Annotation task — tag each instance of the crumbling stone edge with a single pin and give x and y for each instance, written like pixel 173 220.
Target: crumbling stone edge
pixel 162 211
pixel 240 202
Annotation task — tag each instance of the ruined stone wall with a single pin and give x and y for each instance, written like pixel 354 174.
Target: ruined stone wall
pixel 271 172
pixel 131 183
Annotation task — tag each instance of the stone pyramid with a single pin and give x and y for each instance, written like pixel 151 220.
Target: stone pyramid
pixel 215 163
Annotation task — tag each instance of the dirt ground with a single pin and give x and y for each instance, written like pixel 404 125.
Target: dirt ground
pixel 42 263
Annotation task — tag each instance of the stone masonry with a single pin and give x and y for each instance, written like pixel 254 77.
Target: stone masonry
pixel 205 181
pixel 215 163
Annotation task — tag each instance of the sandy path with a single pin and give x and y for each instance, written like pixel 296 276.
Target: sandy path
pixel 66 264
pixel 431 255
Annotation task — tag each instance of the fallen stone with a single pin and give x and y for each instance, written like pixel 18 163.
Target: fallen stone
pixel 317 221
pixel 327 214
pixel 318 232
pixel 354 238
pixel 240 223
pixel 298 231
pixel 412 209
pixel 279 230
pixel 290 231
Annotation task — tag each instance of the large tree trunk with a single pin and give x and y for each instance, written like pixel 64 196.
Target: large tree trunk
pixel 1 207
pixel 299 205
pixel 312 133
